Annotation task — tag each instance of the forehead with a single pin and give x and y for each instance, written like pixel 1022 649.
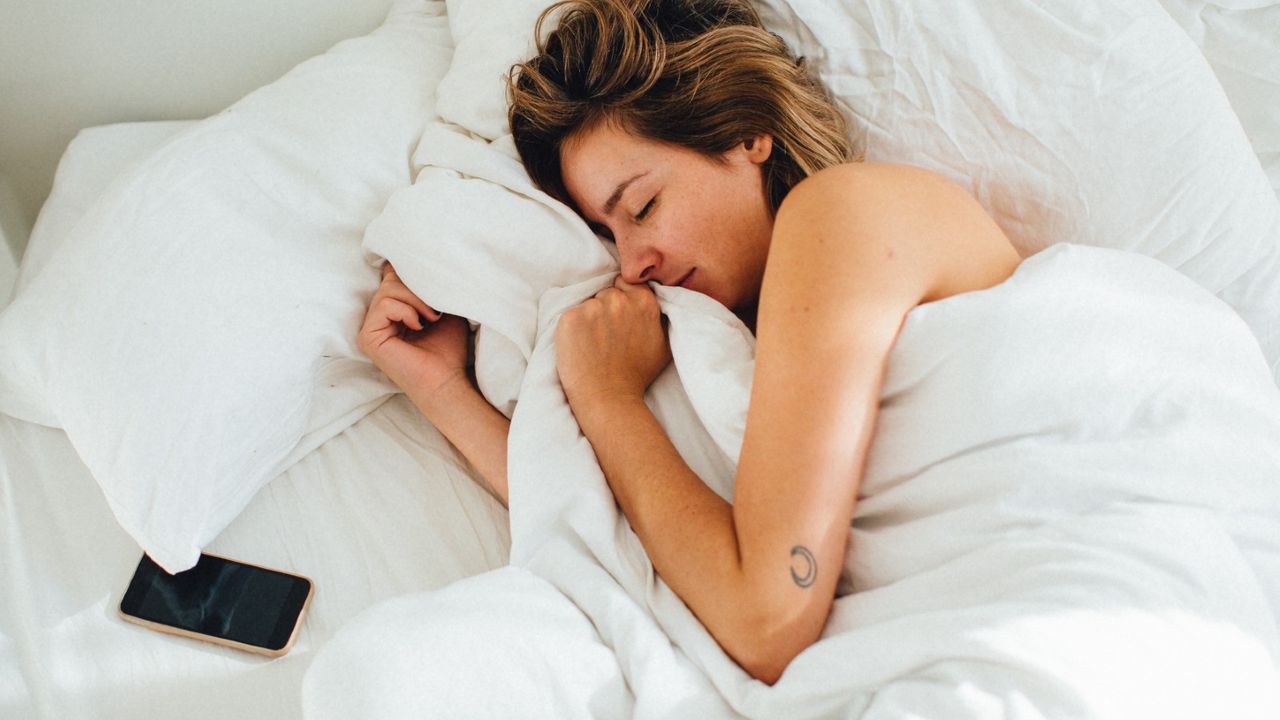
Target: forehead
pixel 595 160
pixel 600 152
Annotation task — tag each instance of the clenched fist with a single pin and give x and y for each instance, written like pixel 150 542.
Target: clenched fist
pixel 612 346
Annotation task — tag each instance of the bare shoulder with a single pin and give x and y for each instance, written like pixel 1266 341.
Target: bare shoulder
pixel 871 186
pixel 924 236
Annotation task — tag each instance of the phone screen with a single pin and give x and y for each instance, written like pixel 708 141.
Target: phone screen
pixel 221 598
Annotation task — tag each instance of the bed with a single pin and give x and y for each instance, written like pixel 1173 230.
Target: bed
pixel 364 496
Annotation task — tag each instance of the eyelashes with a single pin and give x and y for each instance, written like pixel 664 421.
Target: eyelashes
pixel 645 211
pixel 604 232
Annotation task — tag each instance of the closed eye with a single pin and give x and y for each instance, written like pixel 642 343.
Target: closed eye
pixel 645 211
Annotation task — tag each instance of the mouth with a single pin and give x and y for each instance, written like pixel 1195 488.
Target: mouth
pixel 685 279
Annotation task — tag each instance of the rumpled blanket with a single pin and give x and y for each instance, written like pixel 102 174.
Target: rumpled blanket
pixel 1071 506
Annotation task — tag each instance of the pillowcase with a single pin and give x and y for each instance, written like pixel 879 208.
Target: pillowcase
pixel 195 333
pixel 490 37
pixel 1238 38
pixel 1094 123
pixel 95 157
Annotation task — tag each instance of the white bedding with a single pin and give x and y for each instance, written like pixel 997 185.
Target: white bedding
pixel 1071 509
pixel 1072 503
pixel 1081 463
pixel 386 508
pixel 1241 41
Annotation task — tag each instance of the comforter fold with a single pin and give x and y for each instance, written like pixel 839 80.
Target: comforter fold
pixel 1070 509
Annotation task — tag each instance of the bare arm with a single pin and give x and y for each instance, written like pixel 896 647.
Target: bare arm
pixel 476 428
pixel 852 253
pixel 424 352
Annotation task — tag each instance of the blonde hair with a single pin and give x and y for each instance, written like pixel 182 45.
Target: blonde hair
pixel 700 74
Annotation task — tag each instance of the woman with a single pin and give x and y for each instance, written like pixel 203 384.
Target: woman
pixel 688 135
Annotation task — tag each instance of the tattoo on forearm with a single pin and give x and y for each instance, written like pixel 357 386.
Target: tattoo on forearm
pixel 803 568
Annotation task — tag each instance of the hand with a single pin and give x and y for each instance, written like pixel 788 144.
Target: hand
pixel 398 339
pixel 612 346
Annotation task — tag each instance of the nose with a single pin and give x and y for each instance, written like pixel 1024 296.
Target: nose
pixel 640 261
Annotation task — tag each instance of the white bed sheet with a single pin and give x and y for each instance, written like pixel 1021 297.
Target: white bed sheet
pixel 383 509
pixel 386 508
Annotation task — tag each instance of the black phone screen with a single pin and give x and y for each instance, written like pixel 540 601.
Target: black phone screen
pixel 219 597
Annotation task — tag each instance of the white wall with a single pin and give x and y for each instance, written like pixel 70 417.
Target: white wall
pixel 13 233
pixel 70 64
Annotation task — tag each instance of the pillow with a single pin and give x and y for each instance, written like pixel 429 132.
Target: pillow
pixel 1238 38
pixel 95 157
pixel 1101 125
pixel 490 37
pixel 195 333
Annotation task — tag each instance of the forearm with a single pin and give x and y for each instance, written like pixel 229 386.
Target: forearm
pixel 474 426
pixel 686 529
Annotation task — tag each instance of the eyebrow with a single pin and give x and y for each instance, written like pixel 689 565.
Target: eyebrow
pixel 612 202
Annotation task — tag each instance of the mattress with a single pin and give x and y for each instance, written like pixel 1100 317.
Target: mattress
pixel 386 508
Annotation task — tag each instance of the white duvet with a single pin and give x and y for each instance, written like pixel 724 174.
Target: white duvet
pixel 1071 507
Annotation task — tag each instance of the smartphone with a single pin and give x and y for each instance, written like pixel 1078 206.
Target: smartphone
pixel 223 601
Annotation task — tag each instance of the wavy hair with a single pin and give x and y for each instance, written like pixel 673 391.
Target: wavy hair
pixel 701 74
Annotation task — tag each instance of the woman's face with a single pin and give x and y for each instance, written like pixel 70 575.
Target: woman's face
pixel 677 216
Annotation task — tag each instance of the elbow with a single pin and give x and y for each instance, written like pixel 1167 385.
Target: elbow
pixel 769 642
pixel 765 667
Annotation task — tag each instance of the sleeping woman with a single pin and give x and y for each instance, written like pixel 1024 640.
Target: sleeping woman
pixel 688 135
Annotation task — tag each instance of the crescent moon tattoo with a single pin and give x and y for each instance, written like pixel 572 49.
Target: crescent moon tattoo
pixel 808 569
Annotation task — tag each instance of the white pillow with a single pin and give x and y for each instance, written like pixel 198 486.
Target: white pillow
pixel 1241 41
pixel 195 334
pixel 490 37
pixel 93 159
pixel 1098 123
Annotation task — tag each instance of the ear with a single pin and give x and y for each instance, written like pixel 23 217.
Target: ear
pixel 758 147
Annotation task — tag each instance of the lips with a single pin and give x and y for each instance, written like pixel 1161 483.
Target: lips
pixel 686 277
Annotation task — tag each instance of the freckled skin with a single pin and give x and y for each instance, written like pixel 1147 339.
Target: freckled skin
pixel 712 216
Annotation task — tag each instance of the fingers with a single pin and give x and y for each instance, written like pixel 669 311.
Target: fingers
pixel 625 286
pixel 389 309
pixel 393 286
pixel 627 289
pixel 641 295
pixel 383 322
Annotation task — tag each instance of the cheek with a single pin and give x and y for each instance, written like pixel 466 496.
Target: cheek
pixel 677 234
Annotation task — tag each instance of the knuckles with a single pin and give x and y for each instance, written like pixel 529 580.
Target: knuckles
pixel 611 306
